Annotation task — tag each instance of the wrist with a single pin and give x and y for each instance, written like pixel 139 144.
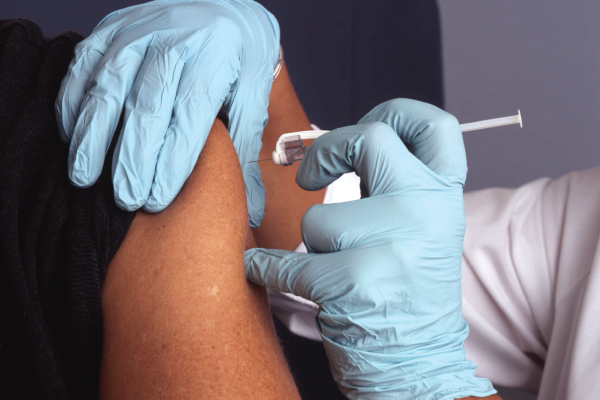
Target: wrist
pixel 400 372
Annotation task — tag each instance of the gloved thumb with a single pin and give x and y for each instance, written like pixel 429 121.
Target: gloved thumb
pixel 432 134
pixel 285 271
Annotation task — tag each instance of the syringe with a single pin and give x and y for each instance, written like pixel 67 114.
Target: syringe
pixel 290 146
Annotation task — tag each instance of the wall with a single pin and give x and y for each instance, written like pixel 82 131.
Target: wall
pixel 541 56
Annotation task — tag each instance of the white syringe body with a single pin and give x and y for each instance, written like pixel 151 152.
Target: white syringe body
pixel 296 151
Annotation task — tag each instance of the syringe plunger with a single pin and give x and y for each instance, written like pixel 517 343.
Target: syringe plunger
pixel 492 123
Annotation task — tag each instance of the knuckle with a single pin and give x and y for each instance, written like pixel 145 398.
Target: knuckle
pixel 152 206
pixel 312 227
pixel 376 128
pixel 379 135
pixel 322 235
pixel 445 122
pixel 313 215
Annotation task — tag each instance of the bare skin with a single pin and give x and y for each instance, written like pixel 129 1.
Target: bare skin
pixel 180 319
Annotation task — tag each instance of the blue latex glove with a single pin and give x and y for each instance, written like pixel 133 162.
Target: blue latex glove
pixel 170 65
pixel 386 269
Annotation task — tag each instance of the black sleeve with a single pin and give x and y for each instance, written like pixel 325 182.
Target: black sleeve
pixel 56 240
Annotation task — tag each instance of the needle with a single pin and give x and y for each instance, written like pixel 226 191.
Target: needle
pixel 265 159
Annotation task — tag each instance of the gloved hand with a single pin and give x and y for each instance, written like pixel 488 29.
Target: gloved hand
pixel 385 270
pixel 170 65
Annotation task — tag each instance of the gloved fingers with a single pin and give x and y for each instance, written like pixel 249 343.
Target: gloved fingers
pixel 288 271
pixel 253 88
pixel 255 194
pixel 373 150
pixel 202 90
pixel 432 134
pixel 74 85
pixel 245 128
pixel 328 228
pixel 246 125
pixel 147 115
pixel 100 113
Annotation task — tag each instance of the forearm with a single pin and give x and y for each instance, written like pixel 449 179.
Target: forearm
pixel 180 319
pixel 286 203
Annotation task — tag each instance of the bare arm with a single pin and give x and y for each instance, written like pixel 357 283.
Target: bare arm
pixel 180 319
pixel 286 203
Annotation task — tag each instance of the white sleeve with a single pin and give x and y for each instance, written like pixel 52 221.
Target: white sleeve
pixel 531 274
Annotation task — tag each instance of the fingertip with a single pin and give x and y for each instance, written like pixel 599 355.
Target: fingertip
pixel 80 183
pixel 255 199
pixel 311 226
pixel 249 253
pixel 129 191
pixel 123 196
pixel 255 217
pixel 251 266
pixel 79 175
pixel 249 259
pixel 161 197
pixel 255 196
pixel 153 206
pixel 126 206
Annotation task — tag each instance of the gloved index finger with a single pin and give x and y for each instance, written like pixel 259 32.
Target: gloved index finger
pixel 288 271
pixel 74 86
pixel 373 150
pixel 432 134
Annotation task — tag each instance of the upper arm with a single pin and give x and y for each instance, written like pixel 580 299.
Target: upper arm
pixel 285 202
pixel 180 319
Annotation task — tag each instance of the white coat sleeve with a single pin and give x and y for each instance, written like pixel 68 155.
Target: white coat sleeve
pixel 531 285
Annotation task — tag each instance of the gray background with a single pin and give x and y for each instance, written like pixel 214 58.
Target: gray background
pixel 542 56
